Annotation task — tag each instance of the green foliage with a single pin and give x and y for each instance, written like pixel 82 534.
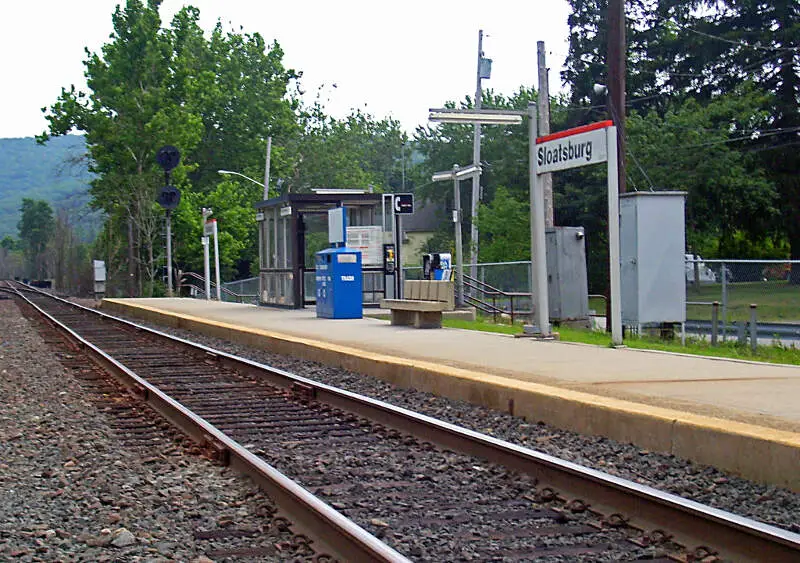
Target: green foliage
pixel 233 208
pixel 215 99
pixel 688 148
pixel 36 228
pixel 57 173
pixel 679 49
pixel 355 152
pixel 8 243
pixel 505 228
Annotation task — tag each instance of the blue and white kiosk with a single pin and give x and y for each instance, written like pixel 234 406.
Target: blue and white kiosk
pixel 338 278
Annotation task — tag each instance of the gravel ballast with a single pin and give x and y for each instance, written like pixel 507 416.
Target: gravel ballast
pixel 707 485
pixel 72 489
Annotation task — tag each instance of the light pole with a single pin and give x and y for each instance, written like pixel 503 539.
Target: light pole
pixel 207 212
pixel 538 258
pixel 256 182
pixel 458 174
pixel 265 185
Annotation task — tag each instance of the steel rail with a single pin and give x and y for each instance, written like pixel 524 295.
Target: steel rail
pixel 336 534
pixel 690 523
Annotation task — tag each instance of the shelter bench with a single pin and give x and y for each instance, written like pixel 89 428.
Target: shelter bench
pixel 425 301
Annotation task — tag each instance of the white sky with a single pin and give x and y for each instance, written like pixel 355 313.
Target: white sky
pixel 390 58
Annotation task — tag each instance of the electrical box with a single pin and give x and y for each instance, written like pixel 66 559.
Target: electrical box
pixel 99 267
pixel 339 284
pixel 652 248
pixel 567 284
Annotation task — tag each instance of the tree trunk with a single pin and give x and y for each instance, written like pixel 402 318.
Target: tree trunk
pixel 131 260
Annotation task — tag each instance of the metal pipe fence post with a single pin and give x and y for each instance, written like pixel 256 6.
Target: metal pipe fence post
pixel 724 273
pixel 714 322
pixel 753 328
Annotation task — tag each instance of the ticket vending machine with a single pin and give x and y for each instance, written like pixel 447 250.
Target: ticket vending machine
pixel 339 284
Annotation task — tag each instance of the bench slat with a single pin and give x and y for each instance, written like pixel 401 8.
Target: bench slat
pixel 413 305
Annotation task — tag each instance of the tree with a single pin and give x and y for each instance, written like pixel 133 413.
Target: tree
pixel 733 40
pixel 215 99
pixel 692 148
pixel 10 259
pixel 36 228
pixel 703 48
pixel 355 152
pixel 505 228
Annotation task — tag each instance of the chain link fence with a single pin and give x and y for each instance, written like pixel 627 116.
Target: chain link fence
pixel 743 290
pixel 511 277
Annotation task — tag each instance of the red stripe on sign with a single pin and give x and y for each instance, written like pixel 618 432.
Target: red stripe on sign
pixel 575 131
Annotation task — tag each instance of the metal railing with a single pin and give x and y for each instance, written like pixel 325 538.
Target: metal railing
pixel 196 285
pixel 501 288
pixel 478 294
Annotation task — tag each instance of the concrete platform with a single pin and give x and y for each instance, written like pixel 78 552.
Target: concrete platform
pixel 740 416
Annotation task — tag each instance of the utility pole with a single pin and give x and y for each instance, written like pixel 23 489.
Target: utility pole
pixel 476 161
pixel 403 164
pixel 616 79
pixel 544 129
pixel 266 170
pixel 615 55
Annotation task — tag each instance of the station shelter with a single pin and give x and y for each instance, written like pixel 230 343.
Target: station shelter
pixel 294 226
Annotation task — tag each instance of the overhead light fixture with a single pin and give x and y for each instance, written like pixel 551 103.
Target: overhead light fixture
pixel 482 116
pixel 336 191
pixel 456 173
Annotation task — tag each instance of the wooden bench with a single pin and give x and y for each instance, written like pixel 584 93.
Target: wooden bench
pixel 422 308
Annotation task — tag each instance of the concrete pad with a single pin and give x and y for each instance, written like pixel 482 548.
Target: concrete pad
pixel 630 390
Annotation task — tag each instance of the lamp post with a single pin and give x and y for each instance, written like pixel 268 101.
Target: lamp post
pixel 538 258
pixel 265 185
pixel 231 172
pixel 456 175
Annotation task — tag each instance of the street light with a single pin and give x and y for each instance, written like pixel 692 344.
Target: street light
pixel 473 116
pixel 457 174
pixel 242 175
pixel 538 259
pixel 476 117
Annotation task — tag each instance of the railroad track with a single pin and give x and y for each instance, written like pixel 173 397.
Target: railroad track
pixel 381 487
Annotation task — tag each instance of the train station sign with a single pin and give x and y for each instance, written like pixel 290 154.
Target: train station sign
pixel 572 148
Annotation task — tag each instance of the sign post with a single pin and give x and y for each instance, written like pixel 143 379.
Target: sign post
pixel 538 246
pixel 402 204
pixel 168 157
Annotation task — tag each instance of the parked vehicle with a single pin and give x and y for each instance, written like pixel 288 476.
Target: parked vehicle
pixel 695 263
pixel 776 271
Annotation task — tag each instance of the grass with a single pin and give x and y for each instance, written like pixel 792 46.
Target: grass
pixel 776 354
pixel 483 326
pixel 776 301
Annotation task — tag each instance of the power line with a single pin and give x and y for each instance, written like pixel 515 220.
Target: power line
pixel 735 42
pixel 750 137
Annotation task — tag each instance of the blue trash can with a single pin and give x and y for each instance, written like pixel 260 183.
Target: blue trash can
pixel 339 284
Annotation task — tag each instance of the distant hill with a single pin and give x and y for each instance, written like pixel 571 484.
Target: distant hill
pixel 56 172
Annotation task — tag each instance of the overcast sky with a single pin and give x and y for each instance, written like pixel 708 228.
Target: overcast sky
pixel 390 58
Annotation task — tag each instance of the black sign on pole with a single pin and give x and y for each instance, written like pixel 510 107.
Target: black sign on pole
pixel 403 204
